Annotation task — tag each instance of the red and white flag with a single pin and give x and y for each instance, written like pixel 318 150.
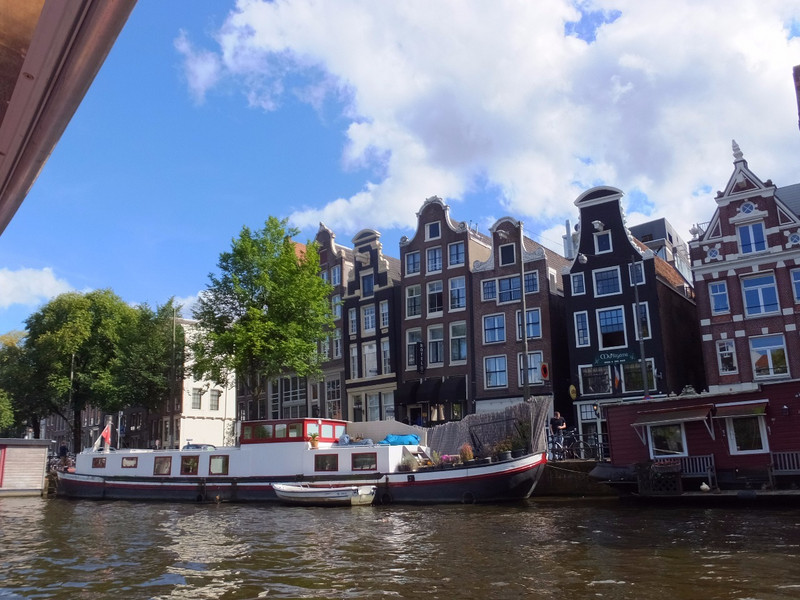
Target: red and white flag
pixel 105 436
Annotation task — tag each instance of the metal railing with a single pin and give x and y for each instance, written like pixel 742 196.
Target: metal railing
pixel 574 446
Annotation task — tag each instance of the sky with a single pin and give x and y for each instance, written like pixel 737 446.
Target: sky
pixel 211 115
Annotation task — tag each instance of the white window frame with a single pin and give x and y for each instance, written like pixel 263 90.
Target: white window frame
pixel 535 360
pixel 795 274
pixel 488 290
pixel 651 446
pixel 367 277
pixel 411 255
pixel 726 347
pixel 462 289
pixel 431 260
pixel 639 269
pixel 386 357
pixel 430 289
pixel 369 354
pixel 336 275
pixel 731 432
pixel 585 315
pixel 518 318
pixel 513 258
pixel 416 287
pixel 502 321
pixel 753 350
pixel 759 290
pixel 336 305
pixel 384 311
pixel 584 392
pixel 411 347
pixel 499 385
pixel 337 343
pixel 578 277
pixel 352 321
pixel 597 272
pixel 433 331
pixel 718 293
pixel 354 362
pixel 429 234
pixel 450 248
pixel 368 318
pixel 604 235
pixel 607 309
pixel 460 339
pixel 751 227
pixel 646 307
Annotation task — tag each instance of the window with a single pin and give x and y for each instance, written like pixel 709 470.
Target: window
pixel 632 376
pixel 534 368
pixel 718 293
pixel 489 289
pixel 578 285
pixel 352 320
pixel 214 399
pixel 218 465
pixel 326 462
pixel 368 285
pixel 413 301
pixel 636 273
pixel 760 294
pixel 433 231
pixel 434 260
pixel 796 284
pixel 507 254
pixel 456 253
pixel 370 359
pixel 337 343
pixel 324 276
pixel 642 324
pixel 458 293
pixel 189 464
pixel 386 357
pixel 606 281
pixel 365 461
pixel 436 345
pixel 324 347
pixel 611 328
pixel 412 263
pixel 531 282
pixel 384 308
pixel 509 289
pixel 336 275
pixel 667 440
pixel 435 299
pixel 533 323
pixel 495 368
pixel 746 435
pixel 333 398
pixel 368 318
pixel 582 329
pixel 594 380
pixel 130 462
pixel 602 242
pixel 768 354
pixel 494 329
pixel 197 395
pixel 458 342
pixel 162 465
pixel 336 306
pixel 726 357
pixel 353 362
pixel 751 238
pixel 413 337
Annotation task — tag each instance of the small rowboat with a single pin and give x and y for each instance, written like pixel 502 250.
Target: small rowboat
pixel 304 495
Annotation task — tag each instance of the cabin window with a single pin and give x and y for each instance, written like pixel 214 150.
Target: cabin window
pixel 667 440
pixel 312 428
pixel 326 462
pixel 280 430
pixel 264 432
pixel 746 435
pixel 367 461
pixel 339 431
pixel 327 430
pixel 162 465
pixel 130 462
pixel 218 465
pixel 189 465
pixel 295 430
pixel 99 462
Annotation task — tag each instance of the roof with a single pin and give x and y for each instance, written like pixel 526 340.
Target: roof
pixel 50 52
pixel 790 196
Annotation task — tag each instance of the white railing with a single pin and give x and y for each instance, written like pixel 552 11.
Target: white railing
pixel 786 463
pixel 694 466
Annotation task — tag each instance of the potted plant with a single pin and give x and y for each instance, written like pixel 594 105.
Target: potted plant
pixel 313 439
pixel 502 449
pixel 466 454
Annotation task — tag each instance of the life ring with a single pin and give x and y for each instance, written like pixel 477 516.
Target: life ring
pixel 386 498
pixel 467 498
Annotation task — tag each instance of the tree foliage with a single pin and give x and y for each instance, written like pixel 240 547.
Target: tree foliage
pixel 265 312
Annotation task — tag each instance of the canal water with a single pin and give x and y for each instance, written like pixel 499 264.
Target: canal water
pixel 538 549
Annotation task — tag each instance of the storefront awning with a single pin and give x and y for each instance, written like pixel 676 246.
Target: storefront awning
pixel 752 409
pixel 428 390
pixel 406 393
pixel 683 414
pixel 453 389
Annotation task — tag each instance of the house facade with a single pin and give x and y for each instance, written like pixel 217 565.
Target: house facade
pixel 370 309
pixel 513 363
pixel 622 303
pixel 437 369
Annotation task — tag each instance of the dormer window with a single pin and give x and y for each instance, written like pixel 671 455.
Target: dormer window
pixel 747 208
pixel 602 242
pixel 433 231
pixel 751 238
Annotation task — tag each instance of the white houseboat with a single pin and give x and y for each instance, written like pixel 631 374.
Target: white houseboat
pixel 286 452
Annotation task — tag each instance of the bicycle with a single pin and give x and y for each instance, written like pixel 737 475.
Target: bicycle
pixel 571 446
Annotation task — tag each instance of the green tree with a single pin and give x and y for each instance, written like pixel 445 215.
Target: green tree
pixel 6 411
pixel 264 313
pixel 22 390
pixel 74 344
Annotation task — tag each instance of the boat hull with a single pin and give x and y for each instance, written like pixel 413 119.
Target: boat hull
pixel 510 480
pixel 301 495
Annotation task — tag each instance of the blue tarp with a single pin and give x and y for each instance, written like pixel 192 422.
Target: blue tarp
pixel 400 440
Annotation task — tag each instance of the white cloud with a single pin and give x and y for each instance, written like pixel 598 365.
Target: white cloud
pixel 443 95
pixel 29 287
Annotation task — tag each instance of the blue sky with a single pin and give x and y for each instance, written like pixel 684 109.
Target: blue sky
pixel 210 115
